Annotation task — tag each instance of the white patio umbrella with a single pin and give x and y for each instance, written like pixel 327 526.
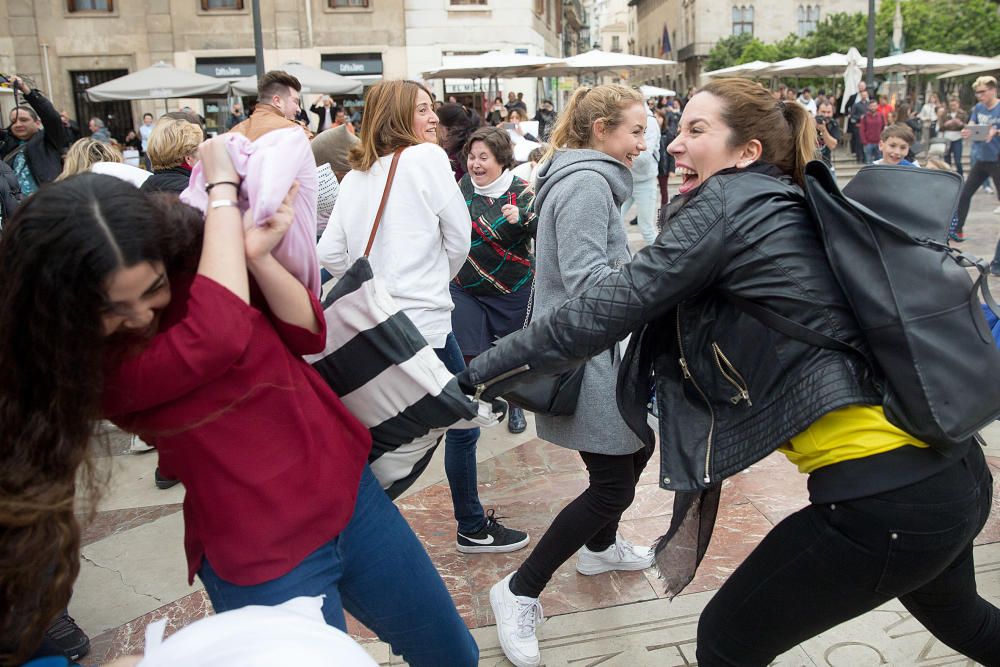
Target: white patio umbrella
pixel 749 70
pixel 927 62
pixel 494 64
pixel 596 61
pixel 852 76
pixel 313 80
pixel 789 63
pixel 653 91
pixel 159 82
pixel 973 69
pixel 832 64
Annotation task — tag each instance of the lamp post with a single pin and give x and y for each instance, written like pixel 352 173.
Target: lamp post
pixel 258 39
pixel 870 51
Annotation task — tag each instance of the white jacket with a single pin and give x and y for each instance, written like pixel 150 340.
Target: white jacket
pixel 422 242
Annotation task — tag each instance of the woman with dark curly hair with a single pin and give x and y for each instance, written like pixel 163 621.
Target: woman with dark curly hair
pixel 197 348
pixel 455 124
pixel 492 289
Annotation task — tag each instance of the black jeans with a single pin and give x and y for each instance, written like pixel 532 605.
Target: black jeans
pixel 591 519
pixel 826 564
pixel 978 174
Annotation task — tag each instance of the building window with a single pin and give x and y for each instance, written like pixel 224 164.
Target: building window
pixel 616 44
pixel 808 18
pixel 207 5
pixel 341 4
pixel 468 2
pixel 90 5
pixel 742 20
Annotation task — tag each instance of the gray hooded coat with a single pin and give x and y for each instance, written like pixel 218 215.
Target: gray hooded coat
pixel 581 240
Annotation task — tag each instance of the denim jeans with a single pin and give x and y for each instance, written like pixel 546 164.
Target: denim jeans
pixel 871 153
pixel 829 563
pixel 644 198
pixel 460 456
pixel 377 570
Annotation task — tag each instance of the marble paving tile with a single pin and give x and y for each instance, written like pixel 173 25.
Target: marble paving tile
pixel 130 638
pixel 132 484
pixel 105 524
pixel 132 573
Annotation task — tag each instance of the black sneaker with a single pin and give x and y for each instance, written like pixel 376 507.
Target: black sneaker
pixel 68 637
pixel 994 269
pixel 516 423
pixel 164 482
pixel 493 538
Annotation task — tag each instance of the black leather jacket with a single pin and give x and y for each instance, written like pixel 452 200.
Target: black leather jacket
pixel 44 150
pixel 729 389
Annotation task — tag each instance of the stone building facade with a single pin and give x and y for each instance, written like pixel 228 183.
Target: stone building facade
pixel 66 46
pixel 694 26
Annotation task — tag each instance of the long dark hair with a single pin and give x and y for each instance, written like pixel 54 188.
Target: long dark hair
pixel 56 255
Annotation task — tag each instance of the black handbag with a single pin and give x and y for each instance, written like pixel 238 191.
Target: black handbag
pixel 553 395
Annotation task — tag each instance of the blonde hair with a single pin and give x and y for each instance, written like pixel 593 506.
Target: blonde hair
pixel 575 126
pixel 937 164
pixel 988 81
pixel 388 123
pixel 785 129
pixel 170 141
pixel 84 153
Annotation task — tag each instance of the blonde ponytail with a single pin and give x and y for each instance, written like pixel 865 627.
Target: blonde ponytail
pixel 575 126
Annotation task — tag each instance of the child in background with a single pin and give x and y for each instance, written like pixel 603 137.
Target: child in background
pixel 894 145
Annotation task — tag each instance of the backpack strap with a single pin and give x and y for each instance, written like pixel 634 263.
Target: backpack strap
pixel 385 197
pixel 790 328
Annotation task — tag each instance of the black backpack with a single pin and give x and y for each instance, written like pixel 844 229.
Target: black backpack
pixel 886 238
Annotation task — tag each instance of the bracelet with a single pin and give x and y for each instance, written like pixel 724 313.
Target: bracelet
pixel 219 203
pixel 209 186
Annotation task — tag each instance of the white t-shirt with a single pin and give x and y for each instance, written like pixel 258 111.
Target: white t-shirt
pixel 422 242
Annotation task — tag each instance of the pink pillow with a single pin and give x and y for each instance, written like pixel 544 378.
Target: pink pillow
pixel 268 167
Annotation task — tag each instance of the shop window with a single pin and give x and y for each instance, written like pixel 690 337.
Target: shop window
pixel 208 5
pixel 742 20
pixel 90 5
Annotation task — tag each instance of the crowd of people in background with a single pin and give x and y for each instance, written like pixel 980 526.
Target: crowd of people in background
pixel 494 223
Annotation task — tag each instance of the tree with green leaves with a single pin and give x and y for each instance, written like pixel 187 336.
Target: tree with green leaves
pixel 727 51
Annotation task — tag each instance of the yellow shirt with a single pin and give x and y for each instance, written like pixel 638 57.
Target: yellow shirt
pixel 853 432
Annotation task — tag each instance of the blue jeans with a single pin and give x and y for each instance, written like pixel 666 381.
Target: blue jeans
pixel 644 198
pixel 378 571
pixel 871 153
pixel 460 456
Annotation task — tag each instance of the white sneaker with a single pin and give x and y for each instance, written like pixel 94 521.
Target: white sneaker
pixel 622 555
pixel 139 446
pixel 517 617
pixel 997 210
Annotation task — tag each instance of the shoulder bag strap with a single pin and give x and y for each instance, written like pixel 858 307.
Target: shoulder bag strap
pixel 385 197
pixel 790 328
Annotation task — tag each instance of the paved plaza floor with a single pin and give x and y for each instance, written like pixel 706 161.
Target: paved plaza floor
pixel 133 568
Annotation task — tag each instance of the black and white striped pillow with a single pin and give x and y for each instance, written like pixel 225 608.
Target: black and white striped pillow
pixel 388 376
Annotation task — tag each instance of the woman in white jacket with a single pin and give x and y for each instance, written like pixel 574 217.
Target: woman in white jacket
pixel 422 242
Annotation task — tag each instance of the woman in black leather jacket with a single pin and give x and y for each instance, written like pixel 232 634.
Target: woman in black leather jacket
pixel 889 516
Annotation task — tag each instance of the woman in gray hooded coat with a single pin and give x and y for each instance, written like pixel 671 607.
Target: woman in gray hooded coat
pixel 580 240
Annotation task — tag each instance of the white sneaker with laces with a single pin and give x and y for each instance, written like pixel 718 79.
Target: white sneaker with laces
pixel 517 617
pixel 622 555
